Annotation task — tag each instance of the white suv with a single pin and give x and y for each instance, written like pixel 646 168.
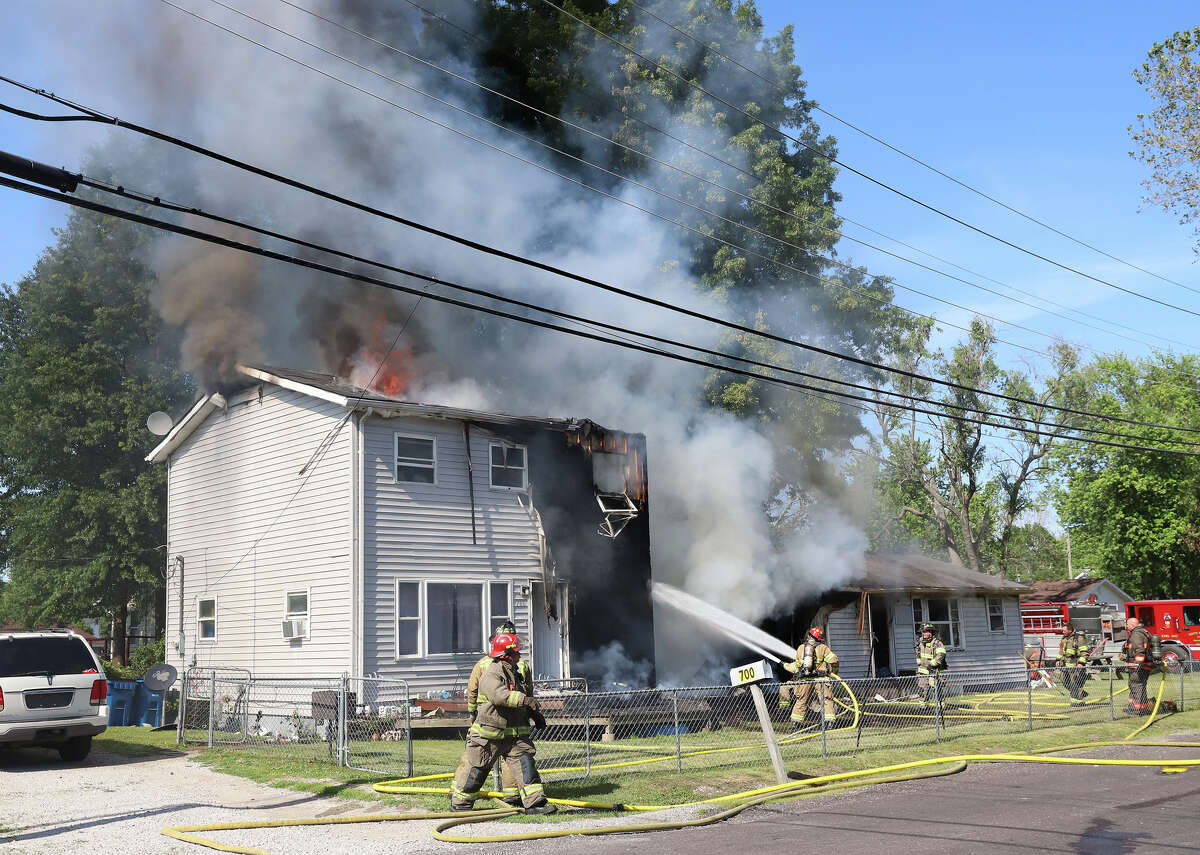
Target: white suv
pixel 52 692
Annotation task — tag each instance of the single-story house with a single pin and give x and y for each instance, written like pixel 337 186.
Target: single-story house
pixel 871 621
pixel 1080 589
pixel 316 528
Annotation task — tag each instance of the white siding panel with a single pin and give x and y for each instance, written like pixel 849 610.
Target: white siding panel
pixel 249 527
pixel 422 532
pixel 853 650
pixel 983 651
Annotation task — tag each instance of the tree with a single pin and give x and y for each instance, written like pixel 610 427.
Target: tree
pixel 84 359
pixel 1168 138
pixel 961 488
pixel 1135 515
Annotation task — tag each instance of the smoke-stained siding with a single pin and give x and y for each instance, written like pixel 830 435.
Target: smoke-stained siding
pixel 422 532
pixel 853 650
pixel 234 479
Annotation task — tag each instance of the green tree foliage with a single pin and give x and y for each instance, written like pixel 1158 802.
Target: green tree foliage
pixel 1034 553
pixel 1135 515
pixel 959 488
pixel 1168 137
pixel 83 360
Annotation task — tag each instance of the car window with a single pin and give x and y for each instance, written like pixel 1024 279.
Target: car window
pixel 20 656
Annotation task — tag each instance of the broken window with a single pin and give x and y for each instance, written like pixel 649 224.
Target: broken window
pixel 455 617
pixel 508 466
pixel 618 510
pixel 416 459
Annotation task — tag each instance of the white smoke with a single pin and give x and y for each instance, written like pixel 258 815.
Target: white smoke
pixel 711 475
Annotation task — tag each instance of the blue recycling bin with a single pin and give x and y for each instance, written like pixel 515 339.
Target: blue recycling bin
pixel 121 702
pixel 141 699
pixel 147 706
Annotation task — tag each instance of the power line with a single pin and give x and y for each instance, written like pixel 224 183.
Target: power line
pixel 611 329
pixel 831 159
pixel 710 49
pixel 747 198
pixel 545 267
pixel 229 243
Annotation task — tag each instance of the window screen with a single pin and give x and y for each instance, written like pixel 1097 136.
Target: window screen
pixel 455 615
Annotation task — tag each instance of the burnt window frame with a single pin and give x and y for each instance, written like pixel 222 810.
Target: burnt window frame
pixel 502 444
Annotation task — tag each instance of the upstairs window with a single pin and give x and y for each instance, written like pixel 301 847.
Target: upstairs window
pixel 416 459
pixel 206 618
pixel 509 466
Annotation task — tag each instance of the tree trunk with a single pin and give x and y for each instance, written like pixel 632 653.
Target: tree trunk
pixel 119 624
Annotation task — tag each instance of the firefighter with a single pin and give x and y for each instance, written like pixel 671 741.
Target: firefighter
pixel 501 732
pixel 1073 656
pixel 814 662
pixel 931 663
pixel 1136 654
pixel 508 784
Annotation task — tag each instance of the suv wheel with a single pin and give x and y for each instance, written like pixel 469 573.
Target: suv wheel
pixel 74 750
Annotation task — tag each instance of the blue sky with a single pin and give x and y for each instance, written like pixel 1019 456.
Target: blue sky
pixel 1027 101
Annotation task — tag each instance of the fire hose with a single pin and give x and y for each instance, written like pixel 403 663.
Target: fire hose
pixel 738 802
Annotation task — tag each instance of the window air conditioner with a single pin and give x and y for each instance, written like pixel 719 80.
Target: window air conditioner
pixel 294 628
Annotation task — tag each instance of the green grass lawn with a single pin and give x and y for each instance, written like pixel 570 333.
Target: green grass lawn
pixel 307 768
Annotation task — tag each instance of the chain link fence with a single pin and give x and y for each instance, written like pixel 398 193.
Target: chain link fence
pixel 376 725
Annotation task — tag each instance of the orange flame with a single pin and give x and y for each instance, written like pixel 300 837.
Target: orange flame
pixel 375 367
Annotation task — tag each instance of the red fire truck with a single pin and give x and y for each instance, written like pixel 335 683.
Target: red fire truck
pixel 1176 622
pixel 1102 623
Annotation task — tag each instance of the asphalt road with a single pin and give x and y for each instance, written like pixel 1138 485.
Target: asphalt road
pixel 110 804
pixel 989 808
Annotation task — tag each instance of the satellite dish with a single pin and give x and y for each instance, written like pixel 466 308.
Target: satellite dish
pixel 160 677
pixel 159 423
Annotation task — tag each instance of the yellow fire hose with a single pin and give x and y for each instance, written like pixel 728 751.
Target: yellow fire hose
pixel 740 801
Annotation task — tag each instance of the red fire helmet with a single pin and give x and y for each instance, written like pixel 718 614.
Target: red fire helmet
pixel 816 634
pixel 502 643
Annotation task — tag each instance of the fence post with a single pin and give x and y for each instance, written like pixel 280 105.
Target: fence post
pixel 1112 713
pixel 1029 697
pixel 408 726
pixel 180 730
pixel 821 701
pixel 1183 669
pixel 342 748
pixel 587 731
pixel 212 705
pixel 675 710
pixel 935 677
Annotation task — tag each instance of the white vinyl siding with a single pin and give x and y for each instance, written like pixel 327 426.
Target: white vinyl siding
pixel 986 651
pixel 250 528
pixel 417 533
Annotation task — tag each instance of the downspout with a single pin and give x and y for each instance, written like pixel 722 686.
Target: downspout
pixel 470 479
pixel 358 551
pixel 180 637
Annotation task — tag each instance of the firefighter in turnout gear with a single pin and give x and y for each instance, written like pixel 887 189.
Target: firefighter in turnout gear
pixel 1073 656
pixel 931 663
pixel 814 662
pixel 501 732
pixel 1136 654
pixel 508 784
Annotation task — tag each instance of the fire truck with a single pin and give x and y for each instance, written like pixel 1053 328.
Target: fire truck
pixel 1102 623
pixel 1176 622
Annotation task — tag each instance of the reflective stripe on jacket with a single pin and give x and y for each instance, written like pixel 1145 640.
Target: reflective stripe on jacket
pixel 477 672
pixel 931 655
pixel 502 701
pixel 824 660
pixel 1075 650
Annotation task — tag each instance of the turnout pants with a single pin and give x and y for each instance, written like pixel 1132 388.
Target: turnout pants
pixel 515 753
pixel 803 690
pixel 1138 678
pixel 1073 677
pixel 508 784
pixel 926 682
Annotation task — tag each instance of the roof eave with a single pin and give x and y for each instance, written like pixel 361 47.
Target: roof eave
pixel 177 435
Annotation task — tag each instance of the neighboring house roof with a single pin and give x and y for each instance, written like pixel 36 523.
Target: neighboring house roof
pixel 893 573
pixel 1066 590
pixel 329 387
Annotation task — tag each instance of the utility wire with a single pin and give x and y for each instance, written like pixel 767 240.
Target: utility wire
pixel 813 105
pixel 613 330
pixel 831 159
pixel 543 266
pixel 695 176
pixel 229 243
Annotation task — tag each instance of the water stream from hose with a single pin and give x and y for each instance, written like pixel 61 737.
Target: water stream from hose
pixel 723 622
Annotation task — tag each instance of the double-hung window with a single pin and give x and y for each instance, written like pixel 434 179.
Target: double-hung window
pixel 295 614
pixel 435 618
pixel 509 470
pixel 944 615
pixel 995 609
pixel 416 459
pixel 206 618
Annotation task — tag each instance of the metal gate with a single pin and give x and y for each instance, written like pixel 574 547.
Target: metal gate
pixel 214 706
pixel 375 730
